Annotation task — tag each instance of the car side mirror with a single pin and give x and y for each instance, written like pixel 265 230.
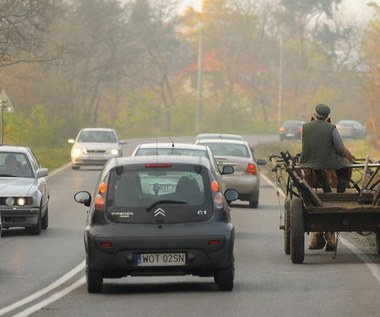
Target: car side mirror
pixel 261 162
pixel 231 195
pixel 227 170
pixel 83 197
pixel 42 172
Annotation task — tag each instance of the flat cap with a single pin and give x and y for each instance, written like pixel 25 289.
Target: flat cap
pixel 322 110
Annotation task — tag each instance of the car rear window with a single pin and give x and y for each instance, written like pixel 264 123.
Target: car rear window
pixel 150 194
pixel 229 149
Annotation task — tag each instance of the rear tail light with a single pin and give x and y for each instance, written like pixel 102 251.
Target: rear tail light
pixel 215 242
pixel 158 165
pixel 218 201
pixel 282 129
pixel 251 169
pixel 106 244
pixel 99 198
pixel 299 130
pixel 99 203
pixel 215 186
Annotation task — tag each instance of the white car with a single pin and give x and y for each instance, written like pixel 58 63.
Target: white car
pixel 95 146
pixel 24 194
pixel 182 149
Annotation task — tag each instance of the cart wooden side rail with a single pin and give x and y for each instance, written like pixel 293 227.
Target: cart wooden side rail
pixel 309 209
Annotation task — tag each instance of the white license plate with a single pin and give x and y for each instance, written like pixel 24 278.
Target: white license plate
pixel 290 134
pixel 161 259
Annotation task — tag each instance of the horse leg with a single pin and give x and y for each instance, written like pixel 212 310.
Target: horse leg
pixel 317 241
pixel 323 182
pixel 331 242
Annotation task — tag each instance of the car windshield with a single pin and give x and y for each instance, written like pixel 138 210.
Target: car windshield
pixel 97 136
pixel 171 151
pixel 135 195
pixel 229 149
pixel 14 165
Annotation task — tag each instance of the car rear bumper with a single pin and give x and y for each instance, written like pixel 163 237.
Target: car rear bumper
pixel 246 185
pixel 121 258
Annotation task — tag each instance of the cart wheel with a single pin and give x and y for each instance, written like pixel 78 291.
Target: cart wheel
pixel 287 229
pixel 378 242
pixel 297 231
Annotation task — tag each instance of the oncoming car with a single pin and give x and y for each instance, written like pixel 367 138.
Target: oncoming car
pixel 95 146
pixel 158 215
pixel 24 195
pixel 238 154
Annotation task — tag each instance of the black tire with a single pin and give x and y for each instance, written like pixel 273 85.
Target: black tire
pixel 36 230
pixel 377 233
pixel 75 167
pixel 226 279
pixel 297 231
pixel 253 203
pixel 94 281
pixel 45 220
pixel 287 231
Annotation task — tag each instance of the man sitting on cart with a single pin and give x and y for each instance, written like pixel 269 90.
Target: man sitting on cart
pixel 323 149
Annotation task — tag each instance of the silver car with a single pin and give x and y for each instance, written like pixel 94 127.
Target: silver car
pixel 24 194
pixel 182 149
pixel 95 146
pixel 351 129
pixel 238 154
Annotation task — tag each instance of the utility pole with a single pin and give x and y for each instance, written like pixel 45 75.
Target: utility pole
pixel 280 81
pixel 199 83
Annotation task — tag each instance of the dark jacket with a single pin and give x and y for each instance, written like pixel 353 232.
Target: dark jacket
pixel 319 151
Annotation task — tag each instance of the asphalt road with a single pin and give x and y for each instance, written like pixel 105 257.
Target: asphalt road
pixel 43 275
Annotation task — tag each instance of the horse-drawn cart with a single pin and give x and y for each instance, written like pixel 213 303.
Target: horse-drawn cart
pixel 308 209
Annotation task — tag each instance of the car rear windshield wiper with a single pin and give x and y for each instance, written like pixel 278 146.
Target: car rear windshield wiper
pixel 180 202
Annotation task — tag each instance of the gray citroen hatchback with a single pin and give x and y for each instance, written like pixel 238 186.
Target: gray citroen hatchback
pixel 158 215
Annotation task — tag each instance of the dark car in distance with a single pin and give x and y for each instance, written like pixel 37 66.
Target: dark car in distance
pixel 158 215
pixel 291 130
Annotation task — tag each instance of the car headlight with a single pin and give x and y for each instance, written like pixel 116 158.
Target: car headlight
pixel 114 151
pixel 77 151
pixel 9 201
pixel 18 201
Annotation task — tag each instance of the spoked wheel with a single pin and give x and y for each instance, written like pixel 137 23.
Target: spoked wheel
pixel 297 231
pixel 377 242
pixel 287 229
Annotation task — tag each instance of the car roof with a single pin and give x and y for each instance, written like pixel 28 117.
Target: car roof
pixel 219 136
pixel 97 129
pixel 230 141
pixel 146 159
pixel 169 145
pixel 14 148
pixel 294 121
pixel 347 121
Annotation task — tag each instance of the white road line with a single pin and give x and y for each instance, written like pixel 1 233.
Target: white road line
pixel 43 291
pixel 56 296
pixel 373 267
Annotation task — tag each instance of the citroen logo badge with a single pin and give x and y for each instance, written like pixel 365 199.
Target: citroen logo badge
pixel 159 212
